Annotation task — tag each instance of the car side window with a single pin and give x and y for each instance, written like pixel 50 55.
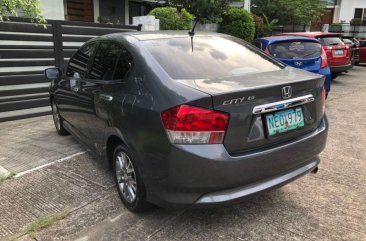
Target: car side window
pixel 78 64
pixel 257 44
pixel 112 62
pixel 362 44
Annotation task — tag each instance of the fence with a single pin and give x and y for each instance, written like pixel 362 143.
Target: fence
pixel 289 28
pixel 26 49
pixel 347 30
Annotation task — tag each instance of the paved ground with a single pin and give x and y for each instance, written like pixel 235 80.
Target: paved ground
pixel 30 143
pixel 330 205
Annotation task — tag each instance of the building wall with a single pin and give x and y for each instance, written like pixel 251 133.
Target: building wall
pixel 53 9
pixel 347 9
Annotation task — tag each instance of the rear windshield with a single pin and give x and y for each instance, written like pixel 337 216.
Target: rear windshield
pixel 210 57
pixel 347 41
pixel 295 50
pixel 329 41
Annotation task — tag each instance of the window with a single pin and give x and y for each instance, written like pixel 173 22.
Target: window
pixel 112 62
pixel 329 41
pixel 208 57
pixel 295 50
pixel 358 13
pixel 257 43
pixel 79 62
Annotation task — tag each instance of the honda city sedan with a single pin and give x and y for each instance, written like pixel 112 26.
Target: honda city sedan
pixel 299 52
pixel 190 120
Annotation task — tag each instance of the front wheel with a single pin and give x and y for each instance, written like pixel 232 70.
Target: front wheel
pixel 59 121
pixel 130 186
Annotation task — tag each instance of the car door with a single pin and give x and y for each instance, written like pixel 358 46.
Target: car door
pixel 75 104
pixel 363 51
pixel 105 85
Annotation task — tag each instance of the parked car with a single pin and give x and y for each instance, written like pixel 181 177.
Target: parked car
pixel 354 45
pixel 363 51
pixel 338 53
pixel 190 120
pixel 299 52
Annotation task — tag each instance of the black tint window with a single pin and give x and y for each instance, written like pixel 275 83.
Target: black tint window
pixel 362 44
pixel 329 41
pixel 112 62
pixel 358 13
pixel 211 57
pixel 79 62
pixel 295 50
pixel 257 44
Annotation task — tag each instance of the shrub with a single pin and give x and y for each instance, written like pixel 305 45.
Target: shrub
pixel 171 19
pixel 239 23
pixel 207 11
pixel 259 26
pixel 356 22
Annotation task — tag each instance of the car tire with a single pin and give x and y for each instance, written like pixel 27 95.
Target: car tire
pixel 58 121
pixel 357 63
pixel 334 76
pixel 129 182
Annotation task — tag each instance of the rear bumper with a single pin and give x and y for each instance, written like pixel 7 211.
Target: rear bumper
pixel 246 191
pixel 206 175
pixel 340 69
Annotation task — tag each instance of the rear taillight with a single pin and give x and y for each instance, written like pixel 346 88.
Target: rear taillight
pixel 323 96
pixel 193 125
pixel 266 50
pixel 324 59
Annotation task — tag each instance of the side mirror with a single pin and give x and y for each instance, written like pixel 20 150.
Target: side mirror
pixel 53 73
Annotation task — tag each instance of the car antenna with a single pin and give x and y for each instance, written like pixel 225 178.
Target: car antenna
pixel 192 33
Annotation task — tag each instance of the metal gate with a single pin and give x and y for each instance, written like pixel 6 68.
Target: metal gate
pixel 26 49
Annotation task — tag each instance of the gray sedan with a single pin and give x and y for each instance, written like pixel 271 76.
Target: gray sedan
pixel 189 121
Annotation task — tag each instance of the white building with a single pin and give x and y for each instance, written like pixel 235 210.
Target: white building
pixel 117 11
pixel 343 11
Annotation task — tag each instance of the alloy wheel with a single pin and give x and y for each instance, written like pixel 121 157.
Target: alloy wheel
pixel 126 177
pixel 56 117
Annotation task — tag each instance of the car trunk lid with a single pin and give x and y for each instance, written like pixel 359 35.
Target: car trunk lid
pixel 239 96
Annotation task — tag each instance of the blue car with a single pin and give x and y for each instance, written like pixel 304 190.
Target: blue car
pixel 299 52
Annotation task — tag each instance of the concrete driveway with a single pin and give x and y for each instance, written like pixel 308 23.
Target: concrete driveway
pixel 330 205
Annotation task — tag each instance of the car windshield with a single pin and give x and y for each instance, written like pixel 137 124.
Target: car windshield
pixel 210 57
pixel 329 41
pixel 295 50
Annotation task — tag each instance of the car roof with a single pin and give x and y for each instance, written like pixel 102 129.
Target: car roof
pixel 274 39
pixel 142 36
pixel 313 34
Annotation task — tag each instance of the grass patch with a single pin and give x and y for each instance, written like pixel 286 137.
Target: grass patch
pixel 44 222
pixel 4 178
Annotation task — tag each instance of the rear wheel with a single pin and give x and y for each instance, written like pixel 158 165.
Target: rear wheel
pixel 334 76
pixel 59 121
pixel 130 186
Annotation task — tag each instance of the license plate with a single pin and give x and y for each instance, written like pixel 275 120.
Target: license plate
pixel 284 121
pixel 338 52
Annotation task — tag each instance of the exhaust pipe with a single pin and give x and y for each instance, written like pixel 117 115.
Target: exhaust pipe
pixel 315 170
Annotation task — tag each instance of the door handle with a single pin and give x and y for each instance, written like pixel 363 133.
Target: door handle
pixel 106 97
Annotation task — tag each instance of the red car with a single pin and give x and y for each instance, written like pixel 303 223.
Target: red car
pixel 338 53
pixel 363 51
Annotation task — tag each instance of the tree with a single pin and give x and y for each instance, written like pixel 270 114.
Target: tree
pixel 207 11
pixel 289 11
pixel 30 8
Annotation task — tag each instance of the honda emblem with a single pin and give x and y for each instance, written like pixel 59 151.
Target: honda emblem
pixel 286 92
pixel 298 63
